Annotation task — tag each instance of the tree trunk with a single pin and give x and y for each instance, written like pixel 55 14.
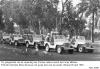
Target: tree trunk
pixel 56 24
pixel 92 28
pixel 61 17
pixel 39 26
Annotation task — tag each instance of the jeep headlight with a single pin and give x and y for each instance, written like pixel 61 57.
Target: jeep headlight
pixel 71 46
pixel 73 43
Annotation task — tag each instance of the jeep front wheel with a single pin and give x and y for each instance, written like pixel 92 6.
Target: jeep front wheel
pixel 16 43
pixel 27 44
pixel 47 48
pixel 80 49
pixel 10 42
pixel 59 50
pixel 36 46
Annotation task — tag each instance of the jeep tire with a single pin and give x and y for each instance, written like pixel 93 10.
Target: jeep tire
pixel 27 44
pixel 47 49
pixel 16 43
pixel 81 49
pixel 59 50
pixel 10 42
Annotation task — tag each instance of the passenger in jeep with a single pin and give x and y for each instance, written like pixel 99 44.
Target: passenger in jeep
pixel 48 37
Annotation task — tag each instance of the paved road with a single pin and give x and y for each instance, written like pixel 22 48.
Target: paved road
pixel 21 53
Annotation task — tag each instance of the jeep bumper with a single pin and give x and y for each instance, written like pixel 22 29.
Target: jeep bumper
pixel 68 48
pixel 89 48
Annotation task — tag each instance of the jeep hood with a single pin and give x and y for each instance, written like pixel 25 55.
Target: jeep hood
pixel 81 42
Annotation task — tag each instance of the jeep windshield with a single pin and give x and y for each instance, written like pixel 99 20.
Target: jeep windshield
pixel 81 38
pixel 37 36
pixel 54 33
pixel 59 37
pixel 6 36
pixel 18 35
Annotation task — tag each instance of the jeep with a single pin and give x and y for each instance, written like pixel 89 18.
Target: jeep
pixel 80 44
pixel 58 43
pixel 17 39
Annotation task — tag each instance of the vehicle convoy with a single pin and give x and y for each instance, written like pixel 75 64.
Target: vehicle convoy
pixel 16 39
pixel 80 44
pixel 58 43
pixel 5 38
pixel 33 40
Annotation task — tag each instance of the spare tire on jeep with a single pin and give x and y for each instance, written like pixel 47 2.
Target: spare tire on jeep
pixel 81 49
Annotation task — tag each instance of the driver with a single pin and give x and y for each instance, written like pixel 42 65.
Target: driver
pixel 48 37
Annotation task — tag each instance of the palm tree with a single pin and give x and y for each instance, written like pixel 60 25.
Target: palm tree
pixel 89 7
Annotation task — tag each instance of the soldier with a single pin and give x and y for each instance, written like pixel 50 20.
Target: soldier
pixel 73 40
pixel 48 37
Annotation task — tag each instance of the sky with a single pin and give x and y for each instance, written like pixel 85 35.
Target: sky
pixel 75 2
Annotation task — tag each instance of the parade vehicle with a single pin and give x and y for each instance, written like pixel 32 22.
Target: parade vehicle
pixel 16 39
pixel 80 44
pixel 5 38
pixel 58 43
pixel 33 40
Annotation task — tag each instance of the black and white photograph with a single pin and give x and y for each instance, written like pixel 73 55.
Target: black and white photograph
pixel 50 30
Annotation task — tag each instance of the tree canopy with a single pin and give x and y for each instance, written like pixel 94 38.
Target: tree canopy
pixel 43 13
pixel 89 7
pixel 2 26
